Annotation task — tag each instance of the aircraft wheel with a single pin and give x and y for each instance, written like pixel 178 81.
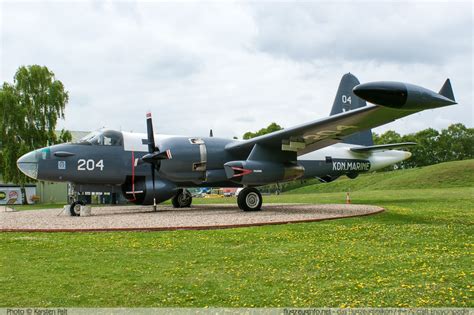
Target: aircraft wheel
pixel 250 199
pixel 75 208
pixel 182 199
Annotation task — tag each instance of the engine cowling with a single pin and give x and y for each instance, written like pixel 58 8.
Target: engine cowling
pixel 251 172
pixel 141 191
pixel 188 162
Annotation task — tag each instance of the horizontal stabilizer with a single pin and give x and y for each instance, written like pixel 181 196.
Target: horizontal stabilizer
pixel 447 90
pixel 382 147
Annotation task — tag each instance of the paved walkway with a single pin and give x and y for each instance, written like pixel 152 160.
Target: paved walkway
pixel 218 216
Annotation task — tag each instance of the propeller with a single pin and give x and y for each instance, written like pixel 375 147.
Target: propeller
pixel 154 156
pixel 211 134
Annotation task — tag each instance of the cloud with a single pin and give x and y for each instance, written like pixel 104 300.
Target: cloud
pixel 381 32
pixel 235 67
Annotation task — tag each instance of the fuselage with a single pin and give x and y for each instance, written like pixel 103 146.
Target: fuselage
pixel 112 158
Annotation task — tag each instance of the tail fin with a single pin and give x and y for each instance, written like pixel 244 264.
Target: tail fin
pixel 345 101
pixel 447 90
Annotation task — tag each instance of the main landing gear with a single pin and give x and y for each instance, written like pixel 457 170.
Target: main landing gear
pixel 182 199
pixel 249 199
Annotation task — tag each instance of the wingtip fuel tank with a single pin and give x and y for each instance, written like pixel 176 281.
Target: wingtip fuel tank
pixel 404 96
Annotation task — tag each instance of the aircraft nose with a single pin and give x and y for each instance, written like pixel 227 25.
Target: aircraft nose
pixel 28 164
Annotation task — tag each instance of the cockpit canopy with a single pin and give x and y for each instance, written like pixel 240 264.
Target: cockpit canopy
pixel 103 137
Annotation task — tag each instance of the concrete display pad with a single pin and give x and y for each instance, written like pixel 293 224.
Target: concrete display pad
pixel 198 217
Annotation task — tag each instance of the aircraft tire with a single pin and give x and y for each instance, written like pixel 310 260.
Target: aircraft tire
pixel 75 209
pixel 182 199
pixel 250 199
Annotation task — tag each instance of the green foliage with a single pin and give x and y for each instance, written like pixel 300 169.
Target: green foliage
pixel 454 143
pixel 422 153
pixel 31 107
pixel 270 128
pixel 389 136
pixel 65 136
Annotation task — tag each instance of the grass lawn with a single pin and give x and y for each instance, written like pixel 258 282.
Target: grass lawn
pixel 443 175
pixel 417 253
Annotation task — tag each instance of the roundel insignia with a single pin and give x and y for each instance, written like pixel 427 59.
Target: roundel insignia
pixel 2 195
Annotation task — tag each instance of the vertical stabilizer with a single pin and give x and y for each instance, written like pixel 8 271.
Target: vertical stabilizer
pixel 346 100
pixel 447 90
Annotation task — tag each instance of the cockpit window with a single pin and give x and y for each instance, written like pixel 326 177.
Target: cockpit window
pixel 104 137
pixel 87 139
pixel 113 138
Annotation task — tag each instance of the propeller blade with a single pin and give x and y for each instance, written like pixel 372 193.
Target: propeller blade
pixel 154 155
pixel 211 134
pixel 149 158
pixel 157 156
pixel 165 155
pixel 151 136
pixel 153 183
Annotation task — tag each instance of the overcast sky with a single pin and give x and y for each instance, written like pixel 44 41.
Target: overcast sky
pixel 236 66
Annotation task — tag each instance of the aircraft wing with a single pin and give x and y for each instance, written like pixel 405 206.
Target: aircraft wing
pixel 323 132
pixel 396 100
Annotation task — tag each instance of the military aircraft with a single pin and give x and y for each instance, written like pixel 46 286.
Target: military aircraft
pixel 151 168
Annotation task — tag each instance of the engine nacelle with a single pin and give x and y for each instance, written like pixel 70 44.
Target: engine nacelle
pixel 141 192
pixel 188 162
pixel 260 172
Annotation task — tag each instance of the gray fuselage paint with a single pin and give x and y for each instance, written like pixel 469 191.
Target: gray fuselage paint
pixel 92 165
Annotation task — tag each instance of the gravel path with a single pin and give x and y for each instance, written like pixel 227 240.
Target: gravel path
pixel 168 218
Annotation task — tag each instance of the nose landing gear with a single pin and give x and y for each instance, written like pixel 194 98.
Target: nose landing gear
pixel 75 208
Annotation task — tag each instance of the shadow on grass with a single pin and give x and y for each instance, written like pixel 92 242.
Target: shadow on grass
pixel 398 202
pixel 393 217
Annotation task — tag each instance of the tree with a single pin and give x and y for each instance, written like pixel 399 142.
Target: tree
pixel 456 143
pixel 270 128
pixel 426 150
pixel 388 136
pixel 31 107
